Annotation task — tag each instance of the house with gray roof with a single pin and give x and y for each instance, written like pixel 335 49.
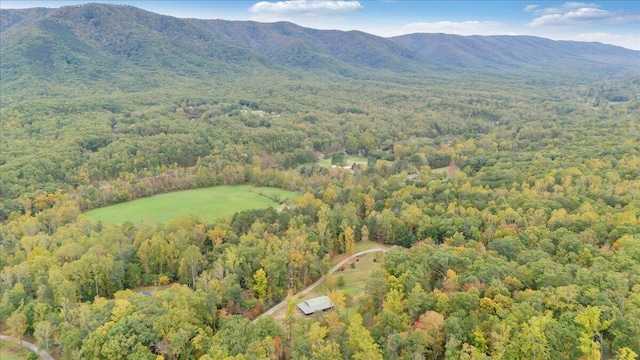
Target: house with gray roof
pixel 311 306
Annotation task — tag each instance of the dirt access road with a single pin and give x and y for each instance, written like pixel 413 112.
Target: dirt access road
pixel 31 346
pixel 313 286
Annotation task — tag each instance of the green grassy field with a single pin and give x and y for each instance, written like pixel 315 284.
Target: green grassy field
pixel 443 170
pixel 355 279
pixel 11 351
pixel 360 246
pixel 210 204
pixel 349 160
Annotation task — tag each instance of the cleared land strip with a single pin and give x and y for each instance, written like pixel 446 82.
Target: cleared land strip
pixel 318 282
pixel 33 347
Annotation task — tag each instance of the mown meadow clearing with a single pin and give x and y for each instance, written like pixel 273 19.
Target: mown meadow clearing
pixel 11 351
pixel 348 161
pixel 209 203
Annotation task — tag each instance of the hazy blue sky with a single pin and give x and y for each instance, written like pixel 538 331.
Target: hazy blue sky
pixel 611 22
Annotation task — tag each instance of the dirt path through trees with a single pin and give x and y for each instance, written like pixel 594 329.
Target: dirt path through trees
pixel 31 346
pixel 318 282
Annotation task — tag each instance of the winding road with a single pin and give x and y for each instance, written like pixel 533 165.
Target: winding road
pixel 44 355
pixel 318 282
pixel 31 346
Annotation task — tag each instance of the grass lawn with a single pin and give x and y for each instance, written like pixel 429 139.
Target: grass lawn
pixel 12 351
pixel 360 246
pixel 209 203
pixel 355 279
pixel 152 289
pixel 349 160
pixel 443 170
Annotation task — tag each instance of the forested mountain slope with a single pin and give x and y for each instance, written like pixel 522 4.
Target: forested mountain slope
pixel 127 47
pixel 120 47
pixel 521 52
pixel 293 45
pixel 509 185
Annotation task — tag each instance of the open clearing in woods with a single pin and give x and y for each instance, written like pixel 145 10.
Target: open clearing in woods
pixel 209 203
pixel 11 351
pixel 354 279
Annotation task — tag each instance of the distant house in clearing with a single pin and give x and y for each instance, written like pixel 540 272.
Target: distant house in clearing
pixel 314 305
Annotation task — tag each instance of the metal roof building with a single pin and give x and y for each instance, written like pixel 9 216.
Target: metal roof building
pixel 314 305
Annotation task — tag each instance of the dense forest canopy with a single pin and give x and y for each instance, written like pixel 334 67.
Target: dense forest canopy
pixel 511 192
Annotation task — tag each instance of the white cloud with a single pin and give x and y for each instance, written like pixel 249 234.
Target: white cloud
pixel 566 7
pixel 450 27
pixel 571 17
pixel 575 13
pixel 287 9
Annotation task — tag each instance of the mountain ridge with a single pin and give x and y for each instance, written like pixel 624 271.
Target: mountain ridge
pixel 512 50
pixel 124 45
pixel 274 40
